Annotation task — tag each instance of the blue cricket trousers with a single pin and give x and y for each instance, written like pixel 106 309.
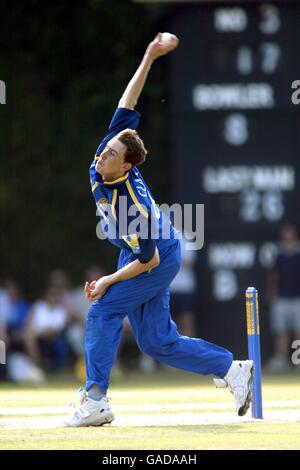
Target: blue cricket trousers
pixel 145 299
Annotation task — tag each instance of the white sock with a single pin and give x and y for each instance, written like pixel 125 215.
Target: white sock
pixel 95 393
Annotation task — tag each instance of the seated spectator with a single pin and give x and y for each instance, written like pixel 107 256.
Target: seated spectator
pixel 44 338
pixel 59 280
pixel 15 313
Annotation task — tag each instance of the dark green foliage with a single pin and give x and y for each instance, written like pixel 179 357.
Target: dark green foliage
pixel 65 66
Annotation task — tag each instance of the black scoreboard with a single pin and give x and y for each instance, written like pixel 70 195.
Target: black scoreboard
pixel 236 143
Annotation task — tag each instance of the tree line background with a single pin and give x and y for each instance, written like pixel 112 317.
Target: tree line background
pixel 65 66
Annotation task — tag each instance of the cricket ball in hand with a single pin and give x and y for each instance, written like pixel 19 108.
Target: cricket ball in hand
pixel 169 39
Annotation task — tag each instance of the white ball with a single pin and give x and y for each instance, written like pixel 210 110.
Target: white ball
pixel 167 38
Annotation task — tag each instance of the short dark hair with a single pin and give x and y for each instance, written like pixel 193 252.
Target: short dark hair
pixel 135 149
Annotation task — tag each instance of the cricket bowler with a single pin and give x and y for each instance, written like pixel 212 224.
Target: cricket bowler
pixel 148 262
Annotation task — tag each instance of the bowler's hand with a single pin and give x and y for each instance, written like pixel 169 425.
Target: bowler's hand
pixel 96 289
pixel 158 48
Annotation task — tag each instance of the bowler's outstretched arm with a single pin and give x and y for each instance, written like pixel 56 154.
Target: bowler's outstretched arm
pixel 134 88
pixel 155 49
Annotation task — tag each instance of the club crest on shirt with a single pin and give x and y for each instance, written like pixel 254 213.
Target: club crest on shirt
pixel 103 201
pixel 103 209
pixel 132 241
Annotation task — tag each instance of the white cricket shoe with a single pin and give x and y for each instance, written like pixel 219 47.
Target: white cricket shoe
pixel 90 412
pixel 239 379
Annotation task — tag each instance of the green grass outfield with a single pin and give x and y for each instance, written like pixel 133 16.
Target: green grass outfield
pixel 165 410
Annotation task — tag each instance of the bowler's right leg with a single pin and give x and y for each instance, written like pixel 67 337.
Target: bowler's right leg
pixel 103 332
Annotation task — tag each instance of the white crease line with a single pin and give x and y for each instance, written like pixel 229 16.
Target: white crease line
pixel 39 410
pixel 186 419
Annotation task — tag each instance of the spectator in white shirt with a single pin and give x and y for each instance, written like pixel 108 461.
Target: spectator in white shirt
pixel 44 333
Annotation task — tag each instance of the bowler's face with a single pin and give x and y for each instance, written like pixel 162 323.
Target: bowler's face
pixel 111 164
